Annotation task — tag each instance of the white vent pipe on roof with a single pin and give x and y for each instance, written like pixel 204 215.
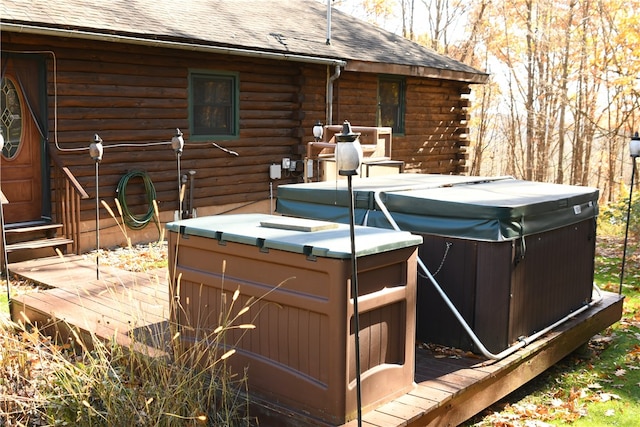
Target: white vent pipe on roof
pixel 328 21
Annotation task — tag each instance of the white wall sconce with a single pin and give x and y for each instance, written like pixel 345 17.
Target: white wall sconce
pixel 318 130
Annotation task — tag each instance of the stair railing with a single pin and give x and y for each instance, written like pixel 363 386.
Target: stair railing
pixel 66 193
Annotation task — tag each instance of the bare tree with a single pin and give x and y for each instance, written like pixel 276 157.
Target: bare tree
pixel 442 16
pixel 407 9
pixel 565 90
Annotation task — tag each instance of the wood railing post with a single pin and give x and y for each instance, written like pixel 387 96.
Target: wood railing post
pixel 67 194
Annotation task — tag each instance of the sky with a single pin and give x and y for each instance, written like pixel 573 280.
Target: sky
pixel 394 23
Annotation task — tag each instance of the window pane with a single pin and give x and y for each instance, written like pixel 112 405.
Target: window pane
pixel 391 104
pixel 389 116
pixel 213 105
pixel 389 92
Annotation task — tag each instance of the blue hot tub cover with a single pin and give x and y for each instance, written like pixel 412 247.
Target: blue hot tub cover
pixel 479 208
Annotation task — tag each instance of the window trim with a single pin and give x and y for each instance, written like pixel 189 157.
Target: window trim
pixel 235 134
pixel 13 143
pixel 400 128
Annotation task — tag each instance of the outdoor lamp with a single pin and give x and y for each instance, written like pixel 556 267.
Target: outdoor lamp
pixel 348 151
pixel 634 146
pixel 177 142
pixel 95 151
pixel 348 159
pixel 634 151
pixel 95 148
pixel 317 131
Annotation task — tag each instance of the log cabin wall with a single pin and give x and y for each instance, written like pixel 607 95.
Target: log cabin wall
pixel 135 95
pixel 435 137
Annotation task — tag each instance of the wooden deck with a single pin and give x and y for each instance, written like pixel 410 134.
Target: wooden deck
pixel 133 307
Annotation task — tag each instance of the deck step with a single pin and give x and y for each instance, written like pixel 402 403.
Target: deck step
pixel 54 242
pixel 30 227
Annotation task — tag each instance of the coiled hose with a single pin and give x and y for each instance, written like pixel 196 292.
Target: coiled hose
pixel 136 222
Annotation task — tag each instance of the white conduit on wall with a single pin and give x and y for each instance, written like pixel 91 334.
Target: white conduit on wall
pixel 522 342
pixel 329 106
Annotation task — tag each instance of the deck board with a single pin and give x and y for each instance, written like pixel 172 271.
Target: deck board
pixel 119 305
pixel 447 391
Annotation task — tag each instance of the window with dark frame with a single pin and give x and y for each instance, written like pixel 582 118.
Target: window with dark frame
pixel 391 100
pixel 213 105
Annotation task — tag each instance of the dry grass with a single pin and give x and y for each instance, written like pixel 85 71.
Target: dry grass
pixel 94 382
pixel 43 382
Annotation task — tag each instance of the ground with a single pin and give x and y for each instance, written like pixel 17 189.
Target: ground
pixel 554 397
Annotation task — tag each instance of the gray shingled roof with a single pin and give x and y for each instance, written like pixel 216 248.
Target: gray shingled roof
pixel 280 26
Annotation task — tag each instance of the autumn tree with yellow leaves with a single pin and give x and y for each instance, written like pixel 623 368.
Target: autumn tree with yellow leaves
pixel 564 95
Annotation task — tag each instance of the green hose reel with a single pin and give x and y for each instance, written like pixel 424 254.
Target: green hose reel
pixel 133 221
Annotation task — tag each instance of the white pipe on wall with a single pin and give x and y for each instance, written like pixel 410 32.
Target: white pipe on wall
pixel 329 108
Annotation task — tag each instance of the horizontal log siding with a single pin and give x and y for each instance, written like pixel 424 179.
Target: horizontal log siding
pixel 435 123
pixel 136 95
pixel 355 99
pixel 314 101
pixel 435 117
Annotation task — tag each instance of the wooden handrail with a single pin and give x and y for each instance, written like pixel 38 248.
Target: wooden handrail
pixel 74 182
pixel 66 193
pixel 68 174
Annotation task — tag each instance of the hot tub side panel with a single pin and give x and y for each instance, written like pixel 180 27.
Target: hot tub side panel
pixel 475 276
pixel 553 277
pixel 504 290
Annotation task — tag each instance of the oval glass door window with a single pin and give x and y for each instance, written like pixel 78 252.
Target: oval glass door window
pixel 10 119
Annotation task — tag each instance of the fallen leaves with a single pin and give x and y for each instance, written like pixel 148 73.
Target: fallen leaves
pixel 137 258
pixel 634 353
pixel 620 372
pixel 442 352
pixel 605 397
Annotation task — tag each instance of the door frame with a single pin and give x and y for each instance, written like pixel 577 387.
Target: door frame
pixel 33 90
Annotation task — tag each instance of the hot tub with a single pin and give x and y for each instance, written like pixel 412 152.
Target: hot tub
pixel 513 256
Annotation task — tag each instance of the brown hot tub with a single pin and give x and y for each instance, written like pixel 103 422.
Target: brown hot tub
pixel 301 354
pixel 513 256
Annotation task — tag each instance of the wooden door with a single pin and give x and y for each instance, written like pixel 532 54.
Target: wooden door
pixel 21 160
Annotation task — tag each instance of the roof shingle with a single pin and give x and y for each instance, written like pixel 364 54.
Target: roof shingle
pixel 280 26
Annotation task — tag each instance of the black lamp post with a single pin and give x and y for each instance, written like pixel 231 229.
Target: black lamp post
pixel 95 151
pixel 177 143
pixel 634 151
pixel 348 159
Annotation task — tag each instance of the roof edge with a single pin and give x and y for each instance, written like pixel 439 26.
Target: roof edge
pixel 194 47
pixel 417 71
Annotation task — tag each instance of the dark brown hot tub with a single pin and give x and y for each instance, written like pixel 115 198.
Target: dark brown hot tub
pixel 512 256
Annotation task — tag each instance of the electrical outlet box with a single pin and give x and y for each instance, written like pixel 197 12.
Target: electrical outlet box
pixel 286 163
pixel 275 171
pixel 309 168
